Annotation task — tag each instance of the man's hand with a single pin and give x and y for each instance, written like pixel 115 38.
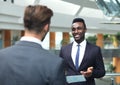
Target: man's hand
pixel 87 73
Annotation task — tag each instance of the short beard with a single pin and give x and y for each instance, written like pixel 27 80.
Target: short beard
pixel 80 40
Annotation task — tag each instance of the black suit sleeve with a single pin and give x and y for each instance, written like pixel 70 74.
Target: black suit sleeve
pixel 99 69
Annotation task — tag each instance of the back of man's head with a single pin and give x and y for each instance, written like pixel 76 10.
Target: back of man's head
pixel 36 17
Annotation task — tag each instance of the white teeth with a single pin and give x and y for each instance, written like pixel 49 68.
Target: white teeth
pixel 76 35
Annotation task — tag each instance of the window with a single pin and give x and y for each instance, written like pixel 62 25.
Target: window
pixel 110 8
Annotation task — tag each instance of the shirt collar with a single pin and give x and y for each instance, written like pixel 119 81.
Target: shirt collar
pixel 30 39
pixel 83 43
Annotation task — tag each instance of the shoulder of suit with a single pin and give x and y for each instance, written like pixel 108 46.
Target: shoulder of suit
pixel 70 44
pixel 93 45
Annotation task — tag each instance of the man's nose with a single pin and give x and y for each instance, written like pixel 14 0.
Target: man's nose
pixel 76 30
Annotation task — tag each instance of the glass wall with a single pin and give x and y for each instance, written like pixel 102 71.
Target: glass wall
pixel 109 7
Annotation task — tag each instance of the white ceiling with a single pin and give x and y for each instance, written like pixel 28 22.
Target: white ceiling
pixel 65 11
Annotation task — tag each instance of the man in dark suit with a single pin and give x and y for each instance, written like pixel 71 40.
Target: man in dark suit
pixel 26 62
pixel 89 61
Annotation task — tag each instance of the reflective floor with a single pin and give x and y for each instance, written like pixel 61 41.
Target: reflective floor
pixel 106 81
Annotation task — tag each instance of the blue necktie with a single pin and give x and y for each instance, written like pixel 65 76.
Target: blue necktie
pixel 77 57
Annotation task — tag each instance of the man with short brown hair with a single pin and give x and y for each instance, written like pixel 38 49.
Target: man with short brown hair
pixel 26 62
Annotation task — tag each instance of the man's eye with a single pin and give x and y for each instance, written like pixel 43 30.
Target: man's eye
pixel 73 29
pixel 78 28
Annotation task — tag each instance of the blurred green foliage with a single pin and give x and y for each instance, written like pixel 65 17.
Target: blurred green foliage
pixel 92 39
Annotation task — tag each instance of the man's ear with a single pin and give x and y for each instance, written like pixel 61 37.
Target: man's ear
pixel 46 27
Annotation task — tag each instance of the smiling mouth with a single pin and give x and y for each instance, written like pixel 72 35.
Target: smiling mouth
pixel 77 36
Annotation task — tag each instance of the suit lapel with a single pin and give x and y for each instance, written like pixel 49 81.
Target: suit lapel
pixel 86 55
pixel 69 58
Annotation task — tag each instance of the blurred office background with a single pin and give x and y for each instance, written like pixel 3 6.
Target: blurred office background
pixel 102 18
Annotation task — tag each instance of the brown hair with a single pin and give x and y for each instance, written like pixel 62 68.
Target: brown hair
pixel 36 17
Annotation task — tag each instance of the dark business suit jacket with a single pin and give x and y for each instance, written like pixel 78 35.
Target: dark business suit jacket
pixel 92 57
pixel 27 63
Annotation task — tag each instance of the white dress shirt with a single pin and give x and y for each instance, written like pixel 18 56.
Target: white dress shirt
pixel 82 51
pixel 30 39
